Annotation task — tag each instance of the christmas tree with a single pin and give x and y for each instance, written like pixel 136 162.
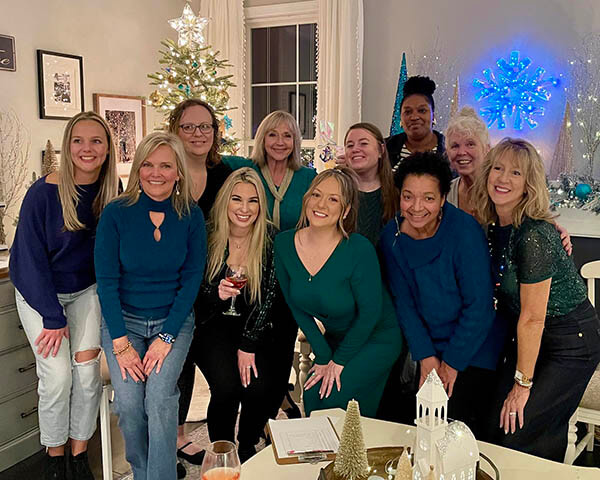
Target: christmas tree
pixel 404 469
pixel 454 103
pixel 351 460
pixel 49 162
pixel 191 70
pixel 396 128
pixel 562 160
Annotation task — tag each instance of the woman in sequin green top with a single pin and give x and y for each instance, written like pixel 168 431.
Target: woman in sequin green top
pixel 557 332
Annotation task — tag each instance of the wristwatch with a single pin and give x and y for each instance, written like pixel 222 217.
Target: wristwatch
pixel 523 379
pixel 167 338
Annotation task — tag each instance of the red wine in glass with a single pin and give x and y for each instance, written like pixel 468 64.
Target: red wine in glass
pixel 237 275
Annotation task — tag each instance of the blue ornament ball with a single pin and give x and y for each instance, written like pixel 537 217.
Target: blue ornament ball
pixel 583 190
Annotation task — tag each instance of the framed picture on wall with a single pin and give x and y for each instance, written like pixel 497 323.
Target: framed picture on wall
pixel 126 116
pixel 60 84
pixel 8 57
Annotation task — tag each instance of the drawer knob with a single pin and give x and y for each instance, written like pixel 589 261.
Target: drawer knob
pixel 20 327
pixel 28 413
pixel 28 367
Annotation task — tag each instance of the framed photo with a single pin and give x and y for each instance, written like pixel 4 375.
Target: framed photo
pixel 8 57
pixel 60 82
pixel 126 116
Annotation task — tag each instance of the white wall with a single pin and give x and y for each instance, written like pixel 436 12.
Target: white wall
pixel 473 34
pixel 118 40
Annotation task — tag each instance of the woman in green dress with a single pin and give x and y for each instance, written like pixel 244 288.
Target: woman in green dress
pixel 331 274
pixel 554 341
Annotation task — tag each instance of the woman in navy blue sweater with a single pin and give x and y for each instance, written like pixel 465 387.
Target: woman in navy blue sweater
pixel 52 268
pixel 150 256
pixel 438 270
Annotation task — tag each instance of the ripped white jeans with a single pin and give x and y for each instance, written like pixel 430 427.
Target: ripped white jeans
pixel 69 391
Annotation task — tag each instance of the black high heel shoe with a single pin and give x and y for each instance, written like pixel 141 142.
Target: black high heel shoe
pixel 194 459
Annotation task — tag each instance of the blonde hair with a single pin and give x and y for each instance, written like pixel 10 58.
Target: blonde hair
pixel 348 182
pixel 218 227
pixel 181 203
pixel 468 123
pixel 535 203
pixel 271 122
pixel 67 189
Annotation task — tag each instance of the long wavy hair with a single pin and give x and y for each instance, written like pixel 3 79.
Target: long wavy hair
pixel 219 228
pixel 535 203
pixel 348 182
pixel 181 203
pixel 67 189
pixel 213 158
pixel 389 193
pixel 271 122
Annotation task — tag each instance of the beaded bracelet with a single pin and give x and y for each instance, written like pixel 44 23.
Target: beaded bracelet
pixel 123 350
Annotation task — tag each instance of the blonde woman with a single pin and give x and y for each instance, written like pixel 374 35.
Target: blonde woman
pixel 276 157
pixel 330 273
pixel 554 329
pixel 150 256
pixel 52 268
pixel 244 359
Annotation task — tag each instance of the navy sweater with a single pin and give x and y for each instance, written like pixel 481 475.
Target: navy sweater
pixel 45 259
pixel 442 289
pixel 142 276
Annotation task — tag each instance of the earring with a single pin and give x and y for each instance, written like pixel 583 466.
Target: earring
pixel 177 192
pixel 440 215
pixel 140 186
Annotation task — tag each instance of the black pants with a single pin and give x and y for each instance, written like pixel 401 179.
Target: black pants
pixel 215 353
pixel 569 354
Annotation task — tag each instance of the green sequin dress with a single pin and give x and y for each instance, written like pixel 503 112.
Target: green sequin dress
pixel 533 253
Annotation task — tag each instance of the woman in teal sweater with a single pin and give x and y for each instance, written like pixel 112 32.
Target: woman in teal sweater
pixel 329 273
pixel 150 256
pixel 276 158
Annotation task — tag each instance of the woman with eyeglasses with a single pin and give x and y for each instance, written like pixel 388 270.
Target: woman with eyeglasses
pixel 195 123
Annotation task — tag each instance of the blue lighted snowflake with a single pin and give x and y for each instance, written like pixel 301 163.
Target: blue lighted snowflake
pixel 514 92
pixel 228 122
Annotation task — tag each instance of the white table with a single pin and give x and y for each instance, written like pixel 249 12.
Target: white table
pixel 513 465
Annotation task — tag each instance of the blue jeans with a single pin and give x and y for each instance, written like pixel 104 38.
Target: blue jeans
pixel 148 410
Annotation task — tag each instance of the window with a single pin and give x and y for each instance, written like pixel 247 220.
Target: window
pixel 284 74
pixel 282 71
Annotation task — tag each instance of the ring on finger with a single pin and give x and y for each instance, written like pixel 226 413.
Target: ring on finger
pixel 512 414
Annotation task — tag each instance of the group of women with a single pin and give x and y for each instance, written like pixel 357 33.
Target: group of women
pixel 399 263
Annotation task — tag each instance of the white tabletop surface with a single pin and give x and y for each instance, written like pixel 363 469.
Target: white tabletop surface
pixel 512 465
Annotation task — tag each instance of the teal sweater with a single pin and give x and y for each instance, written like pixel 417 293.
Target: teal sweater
pixel 144 277
pixel 291 205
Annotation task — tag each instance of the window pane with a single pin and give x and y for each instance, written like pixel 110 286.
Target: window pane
pixel 307 44
pixel 259 55
pixel 307 110
pixel 281 54
pixel 259 106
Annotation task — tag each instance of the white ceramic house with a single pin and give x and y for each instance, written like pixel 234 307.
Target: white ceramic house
pixel 450 448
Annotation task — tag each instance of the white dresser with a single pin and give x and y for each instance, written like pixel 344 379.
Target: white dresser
pixel 19 432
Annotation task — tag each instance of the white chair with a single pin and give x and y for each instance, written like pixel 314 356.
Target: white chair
pixel 107 395
pixel 589 408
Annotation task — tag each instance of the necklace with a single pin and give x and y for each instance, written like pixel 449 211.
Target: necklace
pixel 238 245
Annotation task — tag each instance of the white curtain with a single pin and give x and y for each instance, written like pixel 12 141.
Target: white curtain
pixel 226 33
pixel 341 30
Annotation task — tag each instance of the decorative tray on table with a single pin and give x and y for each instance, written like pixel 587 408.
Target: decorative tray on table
pixel 383 461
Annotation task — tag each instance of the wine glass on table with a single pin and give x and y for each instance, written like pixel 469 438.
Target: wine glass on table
pixel 221 462
pixel 238 276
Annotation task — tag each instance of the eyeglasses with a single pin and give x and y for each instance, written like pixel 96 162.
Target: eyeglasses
pixel 190 128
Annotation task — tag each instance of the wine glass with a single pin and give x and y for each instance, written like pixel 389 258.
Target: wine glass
pixel 237 275
pixel 221 462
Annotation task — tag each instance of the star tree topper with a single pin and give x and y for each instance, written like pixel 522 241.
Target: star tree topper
pixel 190 27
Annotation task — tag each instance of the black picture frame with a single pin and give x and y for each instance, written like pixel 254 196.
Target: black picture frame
pixel 8 54
pixel 60 85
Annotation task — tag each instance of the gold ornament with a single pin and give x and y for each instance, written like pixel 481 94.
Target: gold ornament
pixel 190 28
pixel 156 98
pixel 171 79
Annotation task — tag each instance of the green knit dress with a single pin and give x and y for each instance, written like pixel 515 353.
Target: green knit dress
pixel 347 295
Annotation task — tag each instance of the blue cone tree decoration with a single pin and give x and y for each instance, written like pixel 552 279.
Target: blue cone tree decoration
pixel 396 127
